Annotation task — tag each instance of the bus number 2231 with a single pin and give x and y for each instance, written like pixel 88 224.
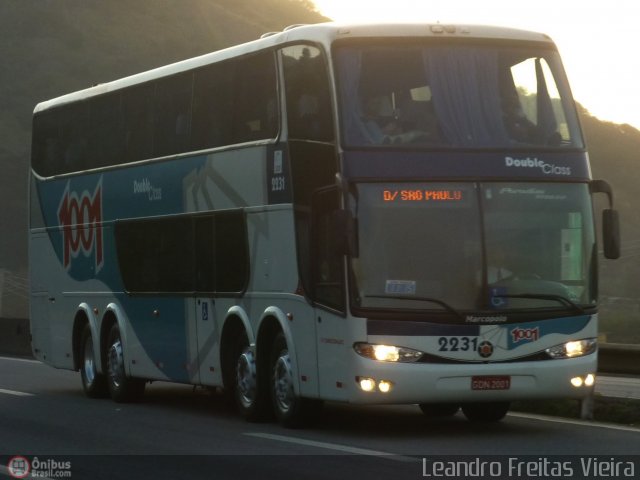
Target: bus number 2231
pixel 458 344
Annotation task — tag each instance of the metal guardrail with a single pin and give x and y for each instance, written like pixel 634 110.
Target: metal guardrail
pixel 619 358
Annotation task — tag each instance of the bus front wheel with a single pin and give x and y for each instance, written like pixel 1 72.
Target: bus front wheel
pixel 121 387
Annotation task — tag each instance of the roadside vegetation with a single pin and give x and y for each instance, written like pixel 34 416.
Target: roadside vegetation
pixel 610 410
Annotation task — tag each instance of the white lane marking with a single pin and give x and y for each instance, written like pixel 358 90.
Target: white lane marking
pixel 15 359
pixel 582 423
pixel 15 393
pixel 333 446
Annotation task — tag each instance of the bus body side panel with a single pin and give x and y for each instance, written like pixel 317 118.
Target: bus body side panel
pixel 75 259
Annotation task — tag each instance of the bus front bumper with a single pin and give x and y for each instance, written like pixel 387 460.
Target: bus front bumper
pixel 406 383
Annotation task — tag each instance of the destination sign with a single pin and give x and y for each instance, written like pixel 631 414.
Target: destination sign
pixel 423 195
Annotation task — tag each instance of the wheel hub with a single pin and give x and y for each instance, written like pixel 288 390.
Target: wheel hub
pixel 246 378
pixel 89 363
pixel 283 382
pixel 116 363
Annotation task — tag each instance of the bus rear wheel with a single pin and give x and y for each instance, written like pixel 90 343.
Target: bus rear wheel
pixel 485 412
pixel 291 410
pixel 93 383
pixel 250 396
pixel 121 387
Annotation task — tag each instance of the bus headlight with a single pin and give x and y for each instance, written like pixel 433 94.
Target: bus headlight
pixel 577 348
pixel 387 353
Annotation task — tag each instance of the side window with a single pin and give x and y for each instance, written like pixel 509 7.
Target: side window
pixel 138 122
pixel 221 252
pixel 255 115
pixel 212 106
pixel 231 252
pixel 106 133
pixel 154 255
pixel 204 247
pixel 307 93
pixel 328 267
pixel 184 254
pixel 537 112
pixel 172 115
pixel 45 151
pixel 74 127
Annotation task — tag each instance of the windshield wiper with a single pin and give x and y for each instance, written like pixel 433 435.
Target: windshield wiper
pixel 545 296
pixel 437 301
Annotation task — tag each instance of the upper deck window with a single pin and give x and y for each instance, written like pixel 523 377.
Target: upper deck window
pixel 455 96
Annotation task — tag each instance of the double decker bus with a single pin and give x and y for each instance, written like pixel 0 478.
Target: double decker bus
pixel 370 214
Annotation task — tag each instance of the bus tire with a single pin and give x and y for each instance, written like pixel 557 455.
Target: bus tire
pixel 94 384
pixel 439 410
pixel 485 412
pixel 251 398
pixel 122 388
pixel 290 410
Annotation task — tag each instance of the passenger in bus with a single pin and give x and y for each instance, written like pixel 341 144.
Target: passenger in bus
pixel 518 126
pixel 410 123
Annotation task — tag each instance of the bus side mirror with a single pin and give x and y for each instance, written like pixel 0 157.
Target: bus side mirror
pixel 610 221
pixel 611 233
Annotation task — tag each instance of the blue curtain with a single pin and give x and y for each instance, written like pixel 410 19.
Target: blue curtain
pixel 465 92
pixel 350 66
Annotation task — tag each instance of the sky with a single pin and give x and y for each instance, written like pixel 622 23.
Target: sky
pixel 597 39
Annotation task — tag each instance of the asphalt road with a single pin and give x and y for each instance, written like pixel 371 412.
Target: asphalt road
pixel 177 432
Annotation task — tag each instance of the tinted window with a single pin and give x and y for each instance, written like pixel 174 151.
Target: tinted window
pixel 231 252
pixel 138 122
pixel 213 106
pixel 307 92
pixel 328 267
pixel 155 255
pixel 255 100
pixel 74 123
pixel 106 130
pixel 46 143
pixel 184 254
pixel 172 115
pixel 222 104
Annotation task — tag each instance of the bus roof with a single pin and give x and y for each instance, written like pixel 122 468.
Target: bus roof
pixel 325 33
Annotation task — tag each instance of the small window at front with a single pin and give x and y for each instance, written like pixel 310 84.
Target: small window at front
pixel 307 92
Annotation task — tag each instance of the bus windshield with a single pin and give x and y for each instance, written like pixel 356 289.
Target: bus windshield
pixel 454 96
pixel 474 246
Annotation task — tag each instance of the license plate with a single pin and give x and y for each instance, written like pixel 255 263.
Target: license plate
pixel 491 383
